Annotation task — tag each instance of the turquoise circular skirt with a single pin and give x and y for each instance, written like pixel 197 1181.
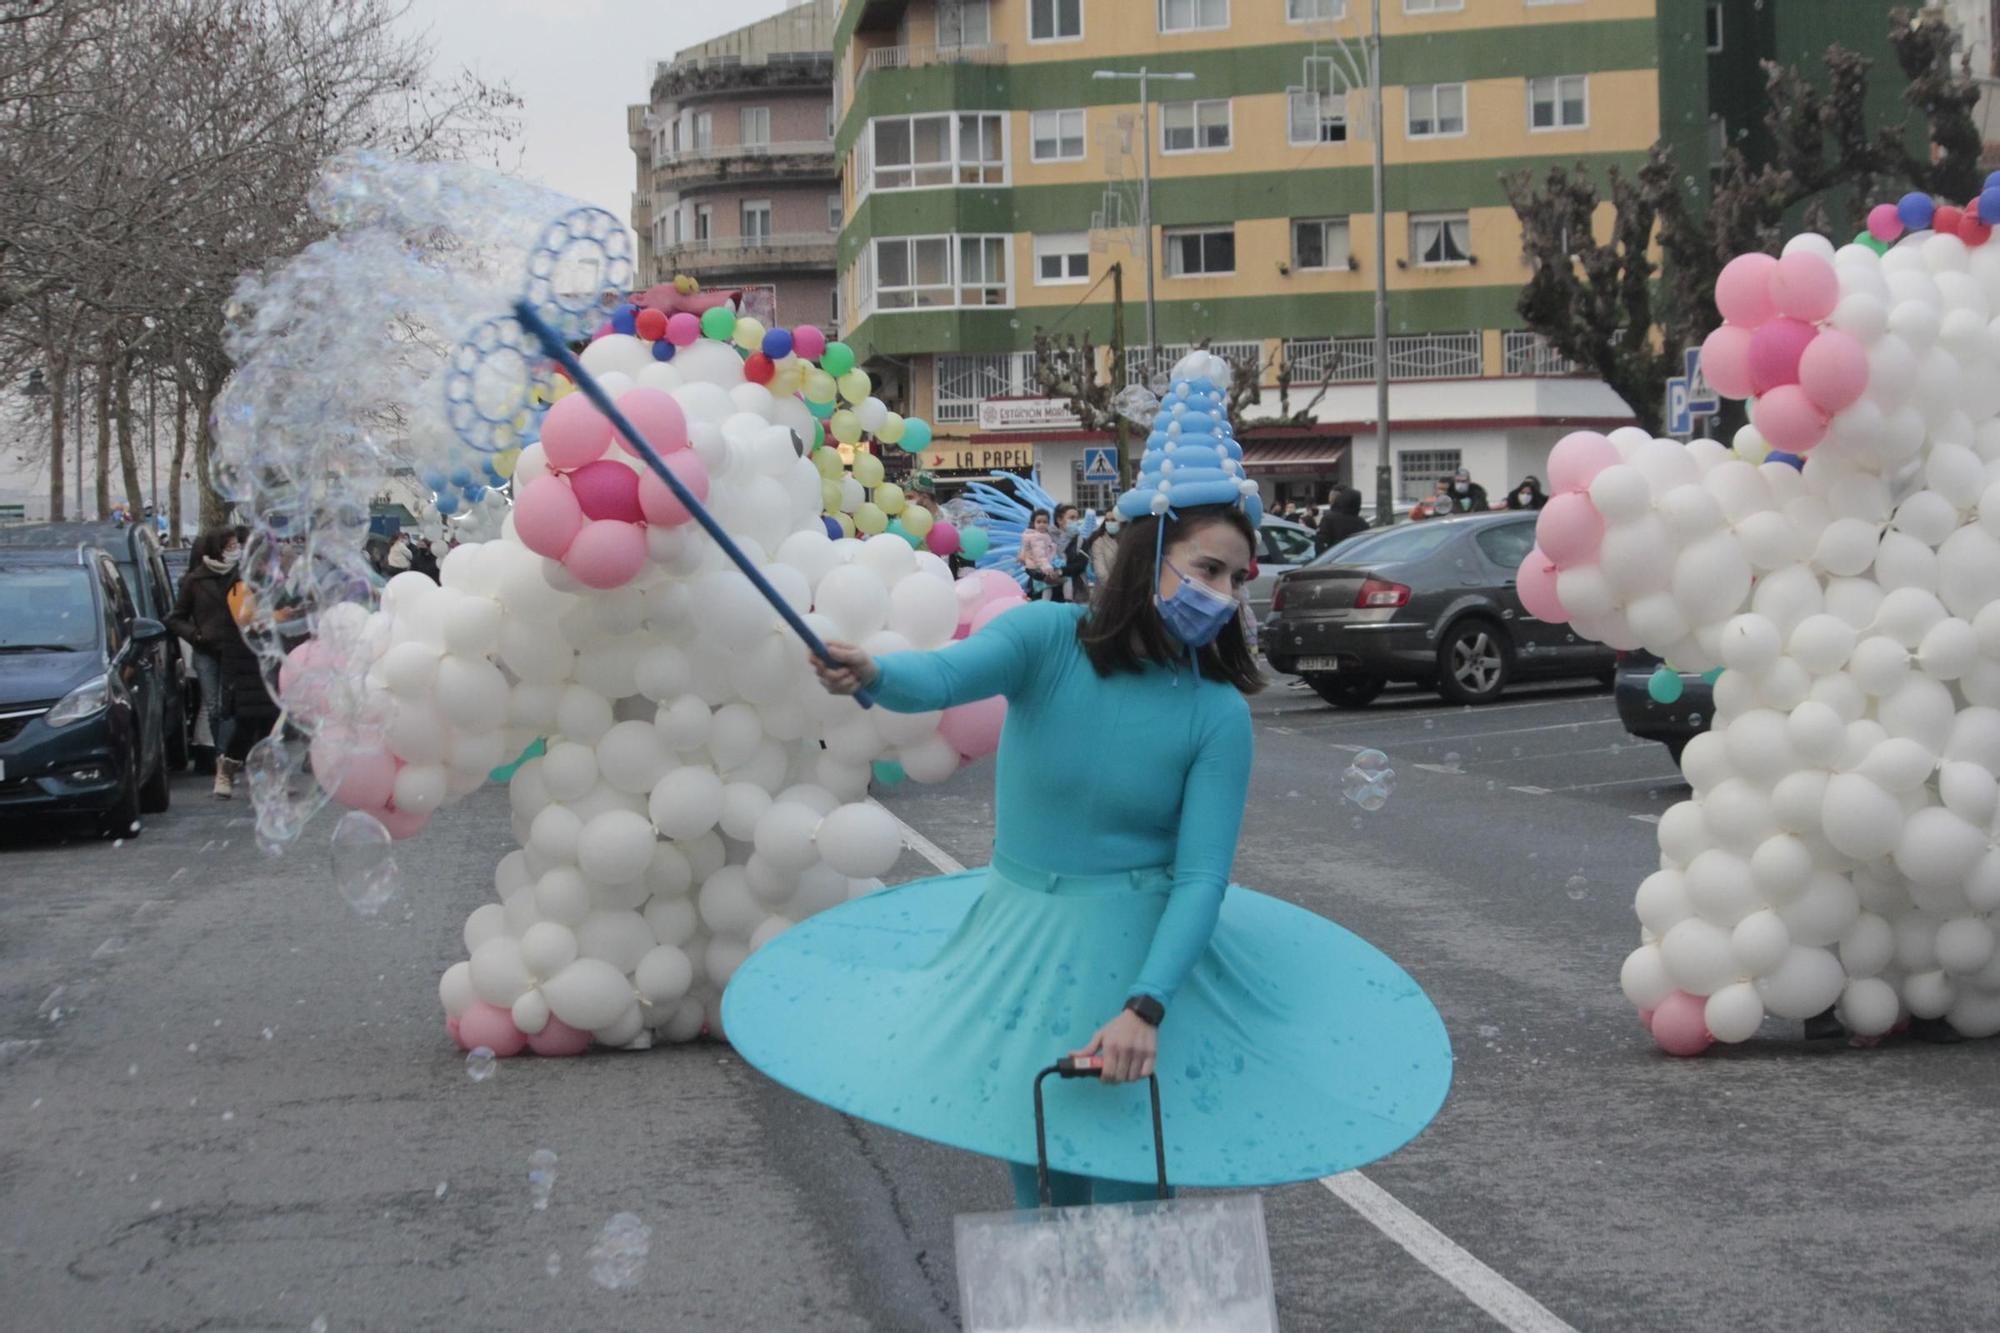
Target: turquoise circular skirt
pixel 1294 1050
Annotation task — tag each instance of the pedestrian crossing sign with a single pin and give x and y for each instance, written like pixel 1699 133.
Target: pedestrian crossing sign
pixel 1100 464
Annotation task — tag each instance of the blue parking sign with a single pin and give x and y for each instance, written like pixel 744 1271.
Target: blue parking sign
pixel 1100 464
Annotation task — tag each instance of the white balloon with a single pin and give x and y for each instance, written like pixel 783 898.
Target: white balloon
pixel 590 994
pixel 664 975
pixel 1806 983
pixel 498 974
pixel 615 847
pixel 859 840
pixel 687 802
pixel 1734 1013
pixel 547 947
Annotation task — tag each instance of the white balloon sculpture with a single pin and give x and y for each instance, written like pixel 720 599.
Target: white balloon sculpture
pixel 1840 848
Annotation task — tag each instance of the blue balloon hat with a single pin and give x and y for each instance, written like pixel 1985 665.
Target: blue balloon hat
pixel 1192 457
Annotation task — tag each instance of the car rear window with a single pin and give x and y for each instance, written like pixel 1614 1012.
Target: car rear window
pixel 1411 542
pixel 47 609
pixel 1286 546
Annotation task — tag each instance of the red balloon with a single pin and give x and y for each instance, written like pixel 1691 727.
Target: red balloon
pixel 1972 229
pixel 607 489
pixel 1947 220
pixel 757 368
pixel 652 325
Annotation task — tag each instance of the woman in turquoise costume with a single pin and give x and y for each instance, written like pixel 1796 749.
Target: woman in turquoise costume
pixel 1286 1048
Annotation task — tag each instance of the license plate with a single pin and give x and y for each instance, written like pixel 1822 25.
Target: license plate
pixel 1319 664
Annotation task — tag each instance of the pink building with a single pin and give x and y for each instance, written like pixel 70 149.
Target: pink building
pixel 738 182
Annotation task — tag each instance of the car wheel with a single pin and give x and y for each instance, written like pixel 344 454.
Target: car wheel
pixel 1345 691
pixel 155 794
pixel 1472 663
pixel 122 819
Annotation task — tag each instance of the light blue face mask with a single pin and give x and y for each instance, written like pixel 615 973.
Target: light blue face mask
pixel 1196 613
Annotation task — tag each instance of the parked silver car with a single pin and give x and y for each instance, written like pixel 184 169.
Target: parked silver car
pixel 1282 546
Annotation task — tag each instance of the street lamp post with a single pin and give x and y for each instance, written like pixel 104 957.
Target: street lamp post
pixel 1145 76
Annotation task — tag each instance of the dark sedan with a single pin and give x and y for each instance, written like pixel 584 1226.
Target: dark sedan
pixel 1671 724
pixel 1430 602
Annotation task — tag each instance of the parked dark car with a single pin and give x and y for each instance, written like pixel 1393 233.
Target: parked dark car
pixel 135 549
pixel 81 727
pixel 1429 602
pixel 1672 725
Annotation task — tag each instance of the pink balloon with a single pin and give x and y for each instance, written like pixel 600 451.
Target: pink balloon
pixel 1884 224
pixel 401 823
pixel 658 501
pixel 297 663
pixel 1536 587
pixel 942 539
pixel 606 489
pixel 992 611
pixel 603 331
pixel 1725 361
pixel 1646 1019
pixel 361 778
pixel 451 1030
pixel 809 342
pixel 1743 290
pixel 1577 459
pixel 683 329
pixel 559 1038
pixel 1834 370
pixel 1804 286
pixel 574 433
pixel 1000 587
pixel 971 593
pixel 606 554
pixel 490 1026
pixel 1775 350
pixel 1790 420
pixel 1680 1025
pixel 657 416
pixel 547 515
pixel 974 729
pixel 1570 529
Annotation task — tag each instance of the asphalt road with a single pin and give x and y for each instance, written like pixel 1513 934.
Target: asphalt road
pixel 227 1102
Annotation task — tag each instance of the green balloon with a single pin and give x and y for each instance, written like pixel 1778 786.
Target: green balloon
pixel 1664 686
pixel 718 322
pixel 1710 677
pixel 916 436
pixel 896 528
pixel 889 773
pixel 820 410
pixel 837 359
pixel 505 773
pixel 973 541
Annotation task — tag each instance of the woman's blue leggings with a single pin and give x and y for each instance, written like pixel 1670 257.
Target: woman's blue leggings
pixel 1071 1191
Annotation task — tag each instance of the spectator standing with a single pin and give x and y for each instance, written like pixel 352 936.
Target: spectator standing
pixel 1038 557
pixel 1070 559
pixel 424 559
pixel 1466 495
pixel 1528 495
pixel 399 558
pixel 1101 550
pixel 1341 520
pixel 203 617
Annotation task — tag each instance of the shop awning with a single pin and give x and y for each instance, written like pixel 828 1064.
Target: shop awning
pixel 1274 457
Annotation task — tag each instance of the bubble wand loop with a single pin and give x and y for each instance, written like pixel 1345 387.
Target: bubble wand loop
pixel 559 352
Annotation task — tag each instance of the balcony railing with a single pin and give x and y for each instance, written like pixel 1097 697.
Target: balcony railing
pixel 964 382
pixel 723 247
pixel 923 57
pixel 1529 354
pixel 1412 356
pixel 738 151
pixel 674 78
pixel 1144 364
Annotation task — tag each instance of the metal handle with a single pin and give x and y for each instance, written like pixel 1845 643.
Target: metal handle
pixel 1089 1066
pixel 558 351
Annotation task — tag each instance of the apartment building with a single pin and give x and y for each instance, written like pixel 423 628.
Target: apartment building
pixel 737 180
pixel 990 178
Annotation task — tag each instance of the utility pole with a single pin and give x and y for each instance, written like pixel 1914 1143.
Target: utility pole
pixel 1128 466
pixel 1385 487
pixel 153 444
pixel 1144 76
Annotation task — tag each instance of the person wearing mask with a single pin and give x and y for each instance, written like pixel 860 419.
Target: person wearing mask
pixel 1101 550
pixel 1528 495
pixel 1038 557
pixel 424 559
pixel 1466 495
pixel 1341 520
pixel 399 558
pixel 203 617
pixel 1437 503
pixel 922 492
pixel 1070 559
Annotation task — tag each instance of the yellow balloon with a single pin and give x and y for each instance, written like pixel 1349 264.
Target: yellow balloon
pixel 892 429
pixel 846 427
pixel 1751 447
pixel 868 470
pixel 870 519
pixel 789 378
pixel 819 386
pixel 750 334
pixel 563 390
pixel 504 461
pixel 846 524
pixel 889 498
pixel 828 462
pixel 829 494
pixel 916 520
pixel 855 386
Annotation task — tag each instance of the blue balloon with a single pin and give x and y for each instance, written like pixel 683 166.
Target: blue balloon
pixel 435 481
pixel 625 320
pixel 663 350
pixel 1916 210
pixel 832 527
pixel 778 343
pixel 1993 180
pixel 1789 460
pixel 446 504
pixel 461 476
pixel 474 494
pixel 1989 205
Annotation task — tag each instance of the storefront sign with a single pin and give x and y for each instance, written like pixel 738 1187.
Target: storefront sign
pixel 977 458
pixel 1026 414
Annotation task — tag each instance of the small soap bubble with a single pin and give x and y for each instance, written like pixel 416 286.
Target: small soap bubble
pixel 318 1324
pixel 479 1063
pixel 541 1177
pixel 1577 887
pixel 553 1264
pixel 618 1259
pixel 364 864
pixel 1368 781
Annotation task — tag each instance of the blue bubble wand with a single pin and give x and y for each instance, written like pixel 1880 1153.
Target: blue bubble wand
pixel 558 351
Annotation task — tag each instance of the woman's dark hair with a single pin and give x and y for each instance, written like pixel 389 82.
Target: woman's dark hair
pixel 210 544
pixel 1062 509
pixel 1124 632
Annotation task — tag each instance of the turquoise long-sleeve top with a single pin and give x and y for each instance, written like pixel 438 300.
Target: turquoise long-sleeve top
pixel 1098 774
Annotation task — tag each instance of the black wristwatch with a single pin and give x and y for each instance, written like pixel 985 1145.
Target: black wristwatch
pixel 1149 1010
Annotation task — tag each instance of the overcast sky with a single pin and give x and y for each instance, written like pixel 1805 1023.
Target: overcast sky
pixel 577 63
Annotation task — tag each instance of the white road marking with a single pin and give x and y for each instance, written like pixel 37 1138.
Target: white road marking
pixel 1511 1308
pixel 1621 782
pixel 1531 791
pixel 1645 819
pixel 1513 731
pixel 1449 770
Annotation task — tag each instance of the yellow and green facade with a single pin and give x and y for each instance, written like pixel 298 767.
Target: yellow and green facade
pixel 977 148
